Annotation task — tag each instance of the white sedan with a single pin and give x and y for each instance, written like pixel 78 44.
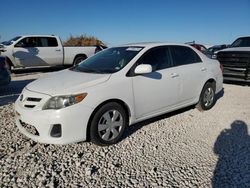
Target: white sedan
pixel 98 98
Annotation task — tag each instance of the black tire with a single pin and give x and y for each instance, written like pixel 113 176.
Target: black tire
pixel 79 59
pixel 97 135
pixel 207 97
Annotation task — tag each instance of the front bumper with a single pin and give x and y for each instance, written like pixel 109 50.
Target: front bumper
pixel 237 74
pixel 73 121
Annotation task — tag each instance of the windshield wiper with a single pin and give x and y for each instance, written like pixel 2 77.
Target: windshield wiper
pixel 84 68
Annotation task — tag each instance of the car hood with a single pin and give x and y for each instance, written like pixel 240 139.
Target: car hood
pixel 241 49
pixel 66 82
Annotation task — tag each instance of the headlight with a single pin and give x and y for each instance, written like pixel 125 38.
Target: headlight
pixel 214 56
pixel 59 102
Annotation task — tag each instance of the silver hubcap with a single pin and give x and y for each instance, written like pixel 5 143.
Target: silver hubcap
pixel 110 125
pixel 208 97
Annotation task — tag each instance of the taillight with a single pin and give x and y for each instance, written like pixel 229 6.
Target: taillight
pixel 221 67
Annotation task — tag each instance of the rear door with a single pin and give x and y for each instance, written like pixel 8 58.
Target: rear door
pixel 50 51
pixel 192 72
pixel 159 90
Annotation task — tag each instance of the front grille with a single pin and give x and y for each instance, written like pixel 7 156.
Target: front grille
pixel 30 102
pixel 31 129
pixel 56 131
pixel 236 64
pixel 33 99
pixel 29 106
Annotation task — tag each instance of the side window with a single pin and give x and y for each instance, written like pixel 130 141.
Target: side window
pixel 183 55
pixel 43 41
pixel 52 42
pixel 27 42
pixel 158 58
pixel 47 42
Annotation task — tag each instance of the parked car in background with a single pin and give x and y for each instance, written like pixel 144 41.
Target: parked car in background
pixel 5 77
pixel 211 52
pixel 117 87
pixel 236 60
pixel 199 47
pixel 43 50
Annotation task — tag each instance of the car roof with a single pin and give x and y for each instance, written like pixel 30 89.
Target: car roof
pixel 152 44
pixel 243 37
pixel 37 36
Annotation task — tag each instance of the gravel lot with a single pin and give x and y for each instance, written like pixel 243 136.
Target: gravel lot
pixel 186 148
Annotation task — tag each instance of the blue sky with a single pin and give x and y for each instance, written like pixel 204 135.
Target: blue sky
pixel 124 21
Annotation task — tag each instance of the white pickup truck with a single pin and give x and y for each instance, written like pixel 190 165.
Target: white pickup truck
pixel 43 50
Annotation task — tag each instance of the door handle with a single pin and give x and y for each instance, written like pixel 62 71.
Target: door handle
pixel 203 69
pixel 58 50
pixel 174 75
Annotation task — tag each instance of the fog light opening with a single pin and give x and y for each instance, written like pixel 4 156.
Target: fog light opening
pixel 56 131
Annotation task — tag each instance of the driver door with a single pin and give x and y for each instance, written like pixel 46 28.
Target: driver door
pixel 25 52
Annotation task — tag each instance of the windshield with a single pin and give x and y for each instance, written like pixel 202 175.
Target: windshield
pixel 110 60
pixel 9 42
pixel 241 42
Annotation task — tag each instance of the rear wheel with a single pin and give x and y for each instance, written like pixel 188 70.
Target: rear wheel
pixel 79 59
pixel 108 124
pixel 207 97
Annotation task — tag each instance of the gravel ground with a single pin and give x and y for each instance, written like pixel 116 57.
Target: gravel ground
pixel 186 148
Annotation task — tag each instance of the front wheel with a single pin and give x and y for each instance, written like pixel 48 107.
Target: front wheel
pixel 207 97
pixel 108 124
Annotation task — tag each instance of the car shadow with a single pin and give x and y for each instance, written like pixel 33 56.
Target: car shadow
pixel 233 149
pixel 28 56
pixel 9 93
pixel 219 95
pixel 154 75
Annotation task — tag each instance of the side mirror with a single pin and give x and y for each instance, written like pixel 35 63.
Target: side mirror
pixel 143 69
